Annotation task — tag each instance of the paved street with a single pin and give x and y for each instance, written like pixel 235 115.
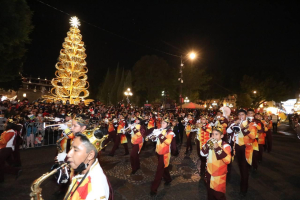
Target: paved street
pixel 278 176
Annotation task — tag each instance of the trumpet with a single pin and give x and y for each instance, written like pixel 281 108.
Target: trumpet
pixel 36 191
pixel 127 129
pixel 153 135
pixel 50 125
pixel 211 143
pixel 59 124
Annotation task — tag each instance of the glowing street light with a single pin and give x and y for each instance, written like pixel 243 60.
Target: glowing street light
pixel 254 92
pixel 186 100
pixel 128 93
pixel 190 56
pixel 24 95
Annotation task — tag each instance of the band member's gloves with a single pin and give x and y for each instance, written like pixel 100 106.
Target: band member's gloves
pixel 61 157
pixel 161 138
pixel 245 131
pixel 212 124
pixel 220 154
pixel 135 130
pixel 57 119
pixel 63 127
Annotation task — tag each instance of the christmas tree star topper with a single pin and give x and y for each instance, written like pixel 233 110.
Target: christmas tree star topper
pixel 74 21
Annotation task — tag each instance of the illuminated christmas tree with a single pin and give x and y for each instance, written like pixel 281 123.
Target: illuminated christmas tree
pixel 71 79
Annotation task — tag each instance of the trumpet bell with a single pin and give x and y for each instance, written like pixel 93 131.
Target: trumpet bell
pixel 50 125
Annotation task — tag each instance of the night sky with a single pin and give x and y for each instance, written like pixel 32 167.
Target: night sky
pixel 231 38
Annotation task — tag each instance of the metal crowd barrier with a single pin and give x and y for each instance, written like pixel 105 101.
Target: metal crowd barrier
pixel 49 134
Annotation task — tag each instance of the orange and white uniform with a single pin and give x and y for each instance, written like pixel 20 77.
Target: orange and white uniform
pixel 203 134
pixel 136 136
pixel 151 123
pixel 94 186
pixel 246 137
pixel 121 125
pixel 7 139
pixel 217 161
pixel 158 122
pixel 163 145
pixel 262 135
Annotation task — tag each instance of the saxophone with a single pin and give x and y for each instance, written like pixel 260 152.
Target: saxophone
pixel 36 191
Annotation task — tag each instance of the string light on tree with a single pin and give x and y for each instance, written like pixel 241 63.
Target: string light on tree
pixel 71 79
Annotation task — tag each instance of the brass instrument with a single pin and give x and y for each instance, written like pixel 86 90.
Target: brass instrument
pixel 210 143
pixel 69 124
pixel 127 129
pixel 50 125
pixel 36 191
pixel 153 135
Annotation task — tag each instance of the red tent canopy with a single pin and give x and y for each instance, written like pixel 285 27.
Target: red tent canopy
pixel 190 105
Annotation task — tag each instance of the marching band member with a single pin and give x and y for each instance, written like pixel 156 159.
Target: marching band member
pixel 244 136
pixel 137 144
pixel 112 124
pixel 222 119
pixel 181 126
pixel 90 183
pixel 79 124
pixel 259 129
pixel 174 150
pixel 203 134
pixel 123 140
pixel 158 121
pixel 189 130
pixel 218 153
pixel 269 137
pixel 150 123
pixel 261 136
pixel 7 147
pixel 163 147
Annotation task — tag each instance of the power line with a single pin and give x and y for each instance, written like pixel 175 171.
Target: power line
pixel 112 33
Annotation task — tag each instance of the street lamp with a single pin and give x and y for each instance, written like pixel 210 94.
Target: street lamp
pixel 186 100
pixel 214 103
pixel 190 56
pixel 254 92
pixel 24 95
pixel 128 93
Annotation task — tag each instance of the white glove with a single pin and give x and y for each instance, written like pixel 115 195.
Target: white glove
pixel 212 124
pixel 63 127
pixel 61 156
pixel 56 119
pixel 131 126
